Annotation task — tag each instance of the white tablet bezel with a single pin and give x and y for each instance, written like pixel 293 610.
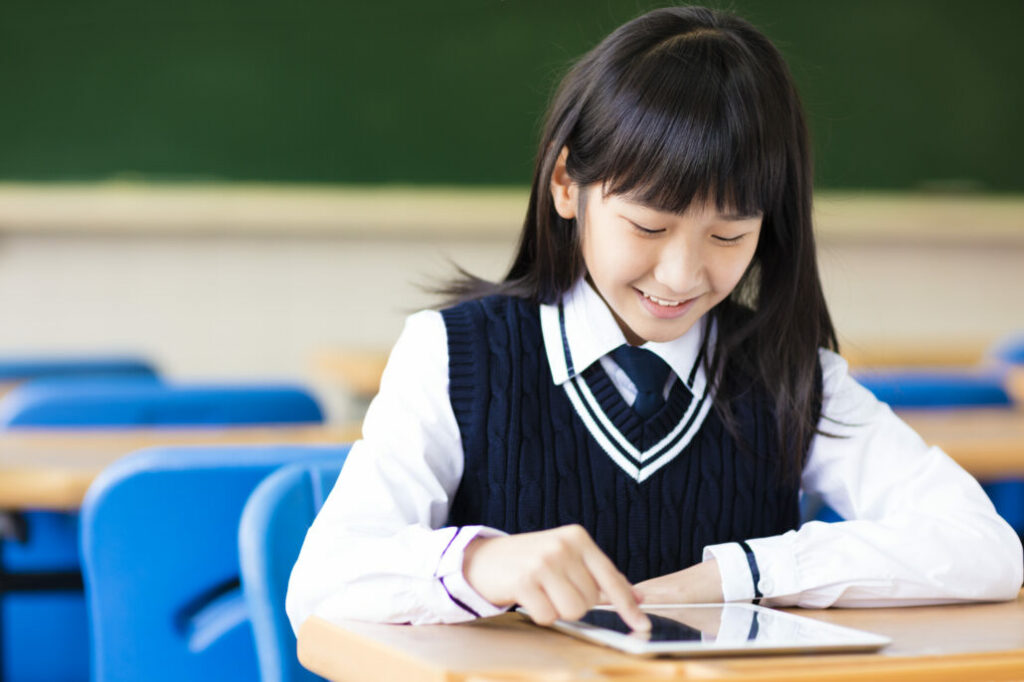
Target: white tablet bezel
pixel 833 637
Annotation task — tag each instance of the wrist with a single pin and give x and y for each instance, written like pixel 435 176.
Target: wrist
pixel 476 572
pixel 710 582
pixel 469 553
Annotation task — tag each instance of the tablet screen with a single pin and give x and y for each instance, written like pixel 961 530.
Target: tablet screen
pixel 717 629
pixel 662 629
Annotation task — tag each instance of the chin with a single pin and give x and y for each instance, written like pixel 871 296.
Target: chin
pixel 662 334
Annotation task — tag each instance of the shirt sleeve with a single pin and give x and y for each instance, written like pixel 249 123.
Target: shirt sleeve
pixel 376 550
pixel 920 529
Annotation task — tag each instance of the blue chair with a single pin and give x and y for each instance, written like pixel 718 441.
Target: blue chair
pixel 142 403
pixel 1008 495
pixel 159 543
pixel 274 523
pixel 1009 350
pixel 20 369
pixel 48 605
pixel 40 583
pixel 936 389
pixel 41 599
pixel 93 380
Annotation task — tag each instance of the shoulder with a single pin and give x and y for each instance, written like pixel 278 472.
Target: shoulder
pixel 423 328
pixel 494 307
pixel 420 351
pixel 844 399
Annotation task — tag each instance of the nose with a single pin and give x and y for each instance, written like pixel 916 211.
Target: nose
pixel 679 267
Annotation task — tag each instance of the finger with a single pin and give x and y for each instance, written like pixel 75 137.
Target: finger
pixel 569 602
pixel 532 598
pixel 584 582
pixel 617 589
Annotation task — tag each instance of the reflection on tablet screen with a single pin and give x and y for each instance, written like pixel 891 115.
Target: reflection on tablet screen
pixel 662 629
pixel 717 629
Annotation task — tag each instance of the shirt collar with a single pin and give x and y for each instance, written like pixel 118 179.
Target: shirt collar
pixel 592 332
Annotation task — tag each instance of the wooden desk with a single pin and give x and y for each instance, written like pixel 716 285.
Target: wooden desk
pixel 989 443
pixel 52 469
pixel 962 642
pixel 358 371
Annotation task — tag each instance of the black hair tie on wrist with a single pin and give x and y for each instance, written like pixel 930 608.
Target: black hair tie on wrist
pixel 755 572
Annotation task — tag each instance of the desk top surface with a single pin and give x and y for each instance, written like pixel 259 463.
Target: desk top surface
pixel 52 469
pixel 938 642
pixel 989 443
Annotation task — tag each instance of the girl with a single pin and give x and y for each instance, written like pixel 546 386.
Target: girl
pixel 631 414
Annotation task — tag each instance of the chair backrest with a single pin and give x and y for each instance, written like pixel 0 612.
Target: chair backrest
pixel 159 533
pixel 144 403
pixel 23 368
pixel 273 526
pixel 1009 349
pixel 933 389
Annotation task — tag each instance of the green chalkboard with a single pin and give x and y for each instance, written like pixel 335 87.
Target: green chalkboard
pixel 905 94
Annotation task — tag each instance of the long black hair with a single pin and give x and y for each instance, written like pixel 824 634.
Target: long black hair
pixel 685 104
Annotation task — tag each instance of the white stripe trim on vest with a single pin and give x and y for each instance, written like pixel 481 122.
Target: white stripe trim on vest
pixel 639 465
pixel 610 448
pixel 618 447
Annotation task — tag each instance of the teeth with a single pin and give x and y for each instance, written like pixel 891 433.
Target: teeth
pixel 661 301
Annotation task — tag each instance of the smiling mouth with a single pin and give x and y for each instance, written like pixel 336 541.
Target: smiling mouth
pixel 662 301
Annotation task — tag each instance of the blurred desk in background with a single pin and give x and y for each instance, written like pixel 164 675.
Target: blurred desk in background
pixel 358 370
pixel 989 442
pixel 52 469
pixel 894 354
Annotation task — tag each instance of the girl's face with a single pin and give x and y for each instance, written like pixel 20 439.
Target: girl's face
pixel 659 272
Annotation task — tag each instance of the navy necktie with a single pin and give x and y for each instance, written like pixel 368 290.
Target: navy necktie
pixel 648 373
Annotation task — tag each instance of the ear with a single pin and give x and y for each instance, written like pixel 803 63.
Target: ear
pixel 564 192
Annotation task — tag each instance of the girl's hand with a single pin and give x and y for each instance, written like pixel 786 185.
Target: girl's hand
pixel 554 574
pixel 698 584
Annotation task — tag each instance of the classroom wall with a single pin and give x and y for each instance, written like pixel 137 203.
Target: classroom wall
pixel 223 302
pixel 225 307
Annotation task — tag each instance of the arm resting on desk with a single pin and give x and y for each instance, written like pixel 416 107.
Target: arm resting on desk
pixel 920 530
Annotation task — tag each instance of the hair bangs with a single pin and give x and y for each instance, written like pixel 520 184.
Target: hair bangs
pixel 683 122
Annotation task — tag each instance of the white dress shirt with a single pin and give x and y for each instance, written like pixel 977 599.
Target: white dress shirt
pixel 920 529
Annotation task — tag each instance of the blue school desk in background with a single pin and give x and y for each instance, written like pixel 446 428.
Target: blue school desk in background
pixel 160 559
pixel 41 583
pixel 23 368
pixel 274 524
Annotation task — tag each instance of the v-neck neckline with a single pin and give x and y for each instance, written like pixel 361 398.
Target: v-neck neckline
pixel 638 446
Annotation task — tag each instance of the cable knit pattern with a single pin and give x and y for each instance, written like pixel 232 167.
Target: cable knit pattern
pixel 531 464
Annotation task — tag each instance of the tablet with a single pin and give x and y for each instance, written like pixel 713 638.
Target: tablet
pixel 718 630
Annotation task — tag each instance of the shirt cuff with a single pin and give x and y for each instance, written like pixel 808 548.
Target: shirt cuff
pixel 449 572
pixel 780 575
pixel 737 583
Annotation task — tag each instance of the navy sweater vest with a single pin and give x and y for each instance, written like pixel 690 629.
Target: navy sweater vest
pixel 532 464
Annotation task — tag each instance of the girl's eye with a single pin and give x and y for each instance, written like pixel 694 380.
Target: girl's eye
pixel 643 230
pixel 728 240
